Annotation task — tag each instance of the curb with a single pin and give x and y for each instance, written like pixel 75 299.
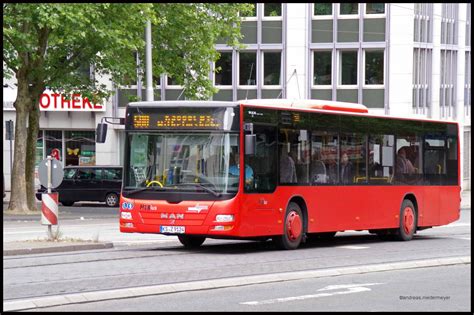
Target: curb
pixel 86 297
pixel 56 249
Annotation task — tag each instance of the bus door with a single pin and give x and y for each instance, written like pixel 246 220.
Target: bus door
pixel 260 181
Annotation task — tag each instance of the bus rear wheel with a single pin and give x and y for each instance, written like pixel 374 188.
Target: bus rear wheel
pixel 191 241
pixel 408 222
pixel 292 229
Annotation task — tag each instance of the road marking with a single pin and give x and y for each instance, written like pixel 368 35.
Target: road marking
pixel 454 225
pixel 348 288
pixel 352 247
pixel 49 301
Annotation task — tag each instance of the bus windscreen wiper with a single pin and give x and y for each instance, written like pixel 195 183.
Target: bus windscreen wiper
pixel 153 188
pixel 215 193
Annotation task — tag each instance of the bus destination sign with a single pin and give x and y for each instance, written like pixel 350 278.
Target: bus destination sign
pixel 167 120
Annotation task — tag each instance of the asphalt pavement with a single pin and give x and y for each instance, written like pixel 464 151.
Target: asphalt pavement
pixel 21 232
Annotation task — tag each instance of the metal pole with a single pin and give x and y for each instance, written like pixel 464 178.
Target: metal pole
pixel 11 161
pixel 149 74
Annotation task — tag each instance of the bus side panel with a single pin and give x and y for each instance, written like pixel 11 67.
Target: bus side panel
pixel 449 204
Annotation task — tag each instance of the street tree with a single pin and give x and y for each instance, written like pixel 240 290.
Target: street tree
pixel 48 46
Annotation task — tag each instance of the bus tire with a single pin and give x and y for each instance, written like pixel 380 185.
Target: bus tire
pixel 191 241
pixel 408 222
pixel 292 228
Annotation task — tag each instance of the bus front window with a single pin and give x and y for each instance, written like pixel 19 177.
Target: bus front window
pixel 181 161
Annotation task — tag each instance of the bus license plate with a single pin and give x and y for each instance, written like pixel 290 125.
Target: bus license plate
pixel 172 229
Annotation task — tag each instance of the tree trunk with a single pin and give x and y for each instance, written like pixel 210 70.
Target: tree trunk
pixel 18 200
pixel 33 127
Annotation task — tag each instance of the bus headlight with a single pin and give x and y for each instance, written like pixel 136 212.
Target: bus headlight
pixel 224 218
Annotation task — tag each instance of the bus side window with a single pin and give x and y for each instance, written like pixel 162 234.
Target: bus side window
pixel 263 163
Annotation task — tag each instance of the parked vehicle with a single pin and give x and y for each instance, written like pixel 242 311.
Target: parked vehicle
pixel 89 183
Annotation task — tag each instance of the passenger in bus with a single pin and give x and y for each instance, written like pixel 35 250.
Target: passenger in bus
pixel 404 165
pixel 234 169
pixel 287 167
pixel 318 169
pixel 346 169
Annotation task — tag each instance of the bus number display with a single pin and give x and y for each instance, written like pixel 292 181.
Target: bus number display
pixel 187 121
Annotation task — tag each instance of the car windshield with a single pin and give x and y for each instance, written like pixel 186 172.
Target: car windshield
pixel 185 162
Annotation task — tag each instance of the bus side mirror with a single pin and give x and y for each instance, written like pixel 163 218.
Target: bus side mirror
pixel 101 132
pixel 250 144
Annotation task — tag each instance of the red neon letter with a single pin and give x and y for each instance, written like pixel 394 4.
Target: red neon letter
pixel 75 101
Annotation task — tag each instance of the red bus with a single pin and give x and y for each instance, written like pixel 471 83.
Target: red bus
pixel 284 170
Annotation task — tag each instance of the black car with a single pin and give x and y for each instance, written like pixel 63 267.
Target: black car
pixel 89 183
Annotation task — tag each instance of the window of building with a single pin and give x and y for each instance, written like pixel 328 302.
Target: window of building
pixel 374 66
pixel 322 68
pixel 247 68
pixel 423 26
pixel 349 8
pixel 272 9
pixel 272 68
pixel 348 67
pixel 253 12
pixel 323 9
pixel 468 25
pixel 375 8
pixel 223 75
pixel 422 64
pixel 449 23
pixel 448 75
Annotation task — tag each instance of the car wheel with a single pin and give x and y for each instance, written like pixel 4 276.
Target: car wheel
pixel 112 199
pixel 191 241
pixel 67 203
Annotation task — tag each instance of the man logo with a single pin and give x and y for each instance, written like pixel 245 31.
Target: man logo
pixel 173 216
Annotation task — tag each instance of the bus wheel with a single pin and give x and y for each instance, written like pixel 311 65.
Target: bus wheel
pixel 407 222
pixel 293 228
pixel 191 241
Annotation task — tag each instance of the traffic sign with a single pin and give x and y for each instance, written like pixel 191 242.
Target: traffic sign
pixel 57 173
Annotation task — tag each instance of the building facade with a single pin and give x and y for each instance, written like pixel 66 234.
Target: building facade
pixel 403 59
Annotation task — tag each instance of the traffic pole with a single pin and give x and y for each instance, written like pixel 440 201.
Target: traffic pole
pixel 49 204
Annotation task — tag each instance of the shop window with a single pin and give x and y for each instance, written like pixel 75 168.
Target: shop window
pixel 54 141
pixel 80 147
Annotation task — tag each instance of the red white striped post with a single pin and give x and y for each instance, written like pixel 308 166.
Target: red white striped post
pixel 49 209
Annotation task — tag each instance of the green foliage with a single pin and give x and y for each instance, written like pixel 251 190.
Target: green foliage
pixel 51 43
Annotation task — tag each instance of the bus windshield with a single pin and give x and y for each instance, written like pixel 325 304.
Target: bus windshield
pixel 183 162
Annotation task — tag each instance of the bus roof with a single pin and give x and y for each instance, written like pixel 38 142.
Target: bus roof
pixel 182 104
pixel 309 104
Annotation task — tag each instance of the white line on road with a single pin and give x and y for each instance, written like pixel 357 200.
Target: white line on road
pixel 350 288
pixel 352 247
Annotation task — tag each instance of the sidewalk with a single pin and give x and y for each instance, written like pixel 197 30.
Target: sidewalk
pixel 22 247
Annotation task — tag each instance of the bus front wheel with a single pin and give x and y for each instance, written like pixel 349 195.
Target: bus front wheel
pixel 408 221
pixel 191 241
pixel 292 228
